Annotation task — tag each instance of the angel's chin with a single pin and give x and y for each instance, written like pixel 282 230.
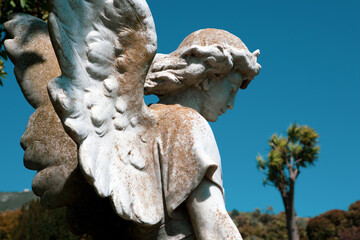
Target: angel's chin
pixel 50 194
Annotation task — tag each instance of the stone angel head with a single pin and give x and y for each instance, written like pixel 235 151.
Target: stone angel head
pixel 204 73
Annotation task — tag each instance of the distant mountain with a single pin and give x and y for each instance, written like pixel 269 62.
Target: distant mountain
pixel 15 200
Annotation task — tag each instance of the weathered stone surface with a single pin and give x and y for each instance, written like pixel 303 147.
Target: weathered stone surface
pixel 151 172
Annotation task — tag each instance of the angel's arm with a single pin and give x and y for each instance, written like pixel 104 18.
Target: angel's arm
pixel 29 48
pixel 206 204
pixel 206 208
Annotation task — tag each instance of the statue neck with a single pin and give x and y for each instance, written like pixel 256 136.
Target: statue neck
pixel 190 98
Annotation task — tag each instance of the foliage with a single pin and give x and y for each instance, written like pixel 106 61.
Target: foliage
pixel 298 149
pixel 320 228
pixel 336 225
pixel 38 223
pixel 352 233
pixel 9 220
pixel 33 222
pixel 37 8
pixel 353 215
pixel 264 225
pixel 331 225
pixel 2 72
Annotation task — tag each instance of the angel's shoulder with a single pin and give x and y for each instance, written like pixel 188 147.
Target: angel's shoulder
pixel 178 116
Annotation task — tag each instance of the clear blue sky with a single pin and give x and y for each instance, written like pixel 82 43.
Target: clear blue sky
pixel 311 75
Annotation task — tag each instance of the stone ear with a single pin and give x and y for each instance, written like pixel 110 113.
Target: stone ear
pixel 205 85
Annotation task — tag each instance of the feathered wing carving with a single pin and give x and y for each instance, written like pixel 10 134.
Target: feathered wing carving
pixel 105 48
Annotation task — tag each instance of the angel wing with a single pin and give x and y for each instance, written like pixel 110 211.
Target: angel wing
pixel 105 48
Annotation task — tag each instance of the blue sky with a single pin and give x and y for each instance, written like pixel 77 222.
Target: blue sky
pixel 311 75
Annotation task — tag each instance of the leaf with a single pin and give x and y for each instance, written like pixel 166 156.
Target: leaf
pixel 23 3
pixel 2 72
pixel 12 3
pixel 295 148
pixel 45 16
pixel 264 181
pixel 293 133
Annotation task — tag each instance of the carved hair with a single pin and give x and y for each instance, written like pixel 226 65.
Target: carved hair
pixel 205 54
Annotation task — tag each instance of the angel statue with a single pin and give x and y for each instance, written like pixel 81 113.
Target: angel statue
pixel 156 170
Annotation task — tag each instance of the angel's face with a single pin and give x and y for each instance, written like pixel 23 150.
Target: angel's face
pixel 220 96
pixel 47 147
pixel 52 153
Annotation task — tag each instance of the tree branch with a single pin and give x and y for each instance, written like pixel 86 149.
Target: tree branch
pixel 296 172
pixel 298 161
pixel 282 184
